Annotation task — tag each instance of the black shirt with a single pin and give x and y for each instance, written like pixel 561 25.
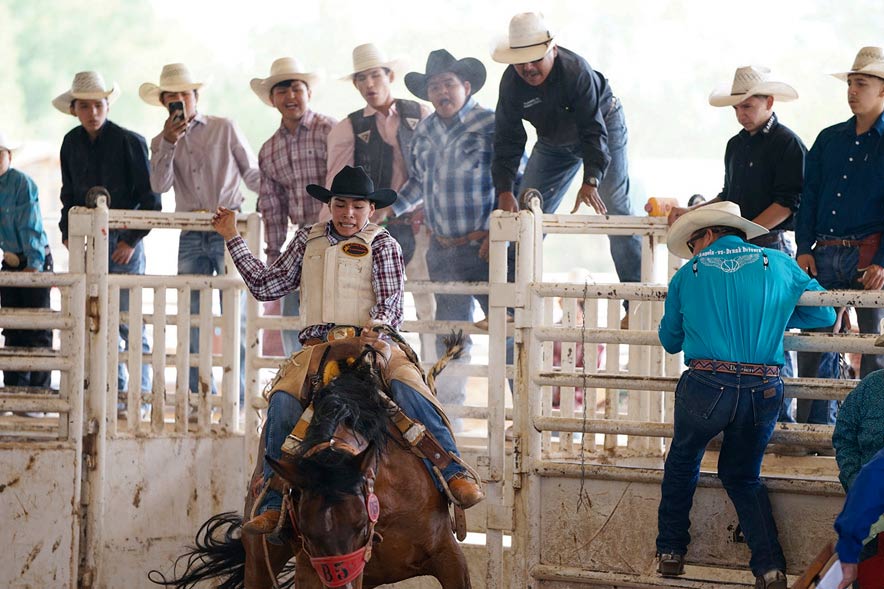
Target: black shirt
pixel 117 160
pixel 763 169
pixel 568 108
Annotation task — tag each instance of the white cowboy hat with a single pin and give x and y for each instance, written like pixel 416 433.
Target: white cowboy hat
pixel 282 69
pixel 716 214
pixel 751 80
pixel 529 39
pixel 7 143
pixel 175 77
pixel 368 56
pixel 869 61
pixel 86 86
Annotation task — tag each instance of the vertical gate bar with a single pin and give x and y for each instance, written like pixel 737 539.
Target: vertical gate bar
pixel 546 393
pixel 252 396
pixel 158 363
pixel 113 363
pixel 71 387
pixel 182 362
pixel 94 501
pixel 230 360
pixel 497 384
pixel 567 400
pixel 612 366
pixel 135 355
pixel 590 365
pixel 207 330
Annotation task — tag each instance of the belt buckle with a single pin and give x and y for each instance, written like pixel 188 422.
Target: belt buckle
pixel 341 332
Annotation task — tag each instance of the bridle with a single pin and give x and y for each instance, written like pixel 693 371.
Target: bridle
pixel 338 570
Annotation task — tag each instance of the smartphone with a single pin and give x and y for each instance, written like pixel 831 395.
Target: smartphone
pixel 176 109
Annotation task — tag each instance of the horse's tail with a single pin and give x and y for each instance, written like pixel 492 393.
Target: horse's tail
pixel 215 555
pixel 454 345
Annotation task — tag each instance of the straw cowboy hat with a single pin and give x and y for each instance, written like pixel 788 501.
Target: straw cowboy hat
pixel 175 77
pixel 86 86
pixel 8 143
pixel 752 80
pixel 283 69
pixel 725 214
pixel 353 182
pixel 368 56
pixel 869 61
pixel 529 39
pixel 440 61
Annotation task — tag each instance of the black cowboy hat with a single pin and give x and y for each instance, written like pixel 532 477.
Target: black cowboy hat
pixel 353 183
pixel 468 69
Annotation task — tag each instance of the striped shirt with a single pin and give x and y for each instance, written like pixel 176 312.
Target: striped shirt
pixel 451 172
pixel 268 283
pixel 289 162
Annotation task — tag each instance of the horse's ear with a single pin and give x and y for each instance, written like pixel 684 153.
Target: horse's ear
pixel 284 469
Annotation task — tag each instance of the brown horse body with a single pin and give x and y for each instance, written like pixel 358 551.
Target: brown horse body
pixel 412 536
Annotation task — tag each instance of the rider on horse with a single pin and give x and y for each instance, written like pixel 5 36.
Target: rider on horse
pixel 339 289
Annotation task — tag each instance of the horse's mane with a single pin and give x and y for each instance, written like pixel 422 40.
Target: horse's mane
pixel 350 399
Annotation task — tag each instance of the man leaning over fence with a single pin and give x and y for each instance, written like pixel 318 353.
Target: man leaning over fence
pixel 100 153
pixel 25 249
pixel 727 309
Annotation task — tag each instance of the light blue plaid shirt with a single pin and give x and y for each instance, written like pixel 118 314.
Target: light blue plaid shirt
pixel 451 172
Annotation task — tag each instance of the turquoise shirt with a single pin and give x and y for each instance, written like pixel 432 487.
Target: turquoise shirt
pixel 21 225
pixel 733 301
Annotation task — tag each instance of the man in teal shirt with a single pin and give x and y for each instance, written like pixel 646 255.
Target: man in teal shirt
pixel 727 309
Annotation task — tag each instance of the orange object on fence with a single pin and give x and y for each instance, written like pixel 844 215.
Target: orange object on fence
pixel 660 207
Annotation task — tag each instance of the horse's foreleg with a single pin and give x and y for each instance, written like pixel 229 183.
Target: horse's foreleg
pixel 263 565
pixel 450 567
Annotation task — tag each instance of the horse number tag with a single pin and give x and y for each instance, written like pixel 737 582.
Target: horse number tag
pixel 373 506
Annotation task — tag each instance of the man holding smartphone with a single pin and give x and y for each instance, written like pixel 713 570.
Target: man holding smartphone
pixel 205 159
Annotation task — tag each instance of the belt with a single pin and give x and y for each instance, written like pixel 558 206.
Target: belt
pixel 462 240
pixel 735 367
pixel 769 238
pixel 869 239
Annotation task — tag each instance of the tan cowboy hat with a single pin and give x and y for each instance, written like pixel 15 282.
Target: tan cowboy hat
pixel 369 56
pixel 175 77
pixel 725 214
pixel 7 143
pixel 752 80
pixel 86 86
pixel 869 61
pixel 529 39
pixel 283 69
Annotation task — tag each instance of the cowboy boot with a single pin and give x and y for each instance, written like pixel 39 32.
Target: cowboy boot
pixel 465 491
pixel 772 579
pixel 262 524
pixel 670 565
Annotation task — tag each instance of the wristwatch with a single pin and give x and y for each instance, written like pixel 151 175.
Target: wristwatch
pixel 593 181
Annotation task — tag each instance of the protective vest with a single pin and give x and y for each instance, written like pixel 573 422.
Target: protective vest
pixel 373 153
pixel 336 279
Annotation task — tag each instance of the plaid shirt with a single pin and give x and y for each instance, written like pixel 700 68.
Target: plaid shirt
pixel 288 163
pixel 451 172
pixel 268 283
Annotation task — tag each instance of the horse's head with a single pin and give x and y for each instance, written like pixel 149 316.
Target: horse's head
pixel 334 472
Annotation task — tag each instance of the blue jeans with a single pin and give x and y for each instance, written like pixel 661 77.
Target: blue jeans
pixel 745 408
pixel 836 269
pixel 291 307
pixel 285 411
pixel 135 265
pixel 202 252
pixel 462 264
pixel 551 168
